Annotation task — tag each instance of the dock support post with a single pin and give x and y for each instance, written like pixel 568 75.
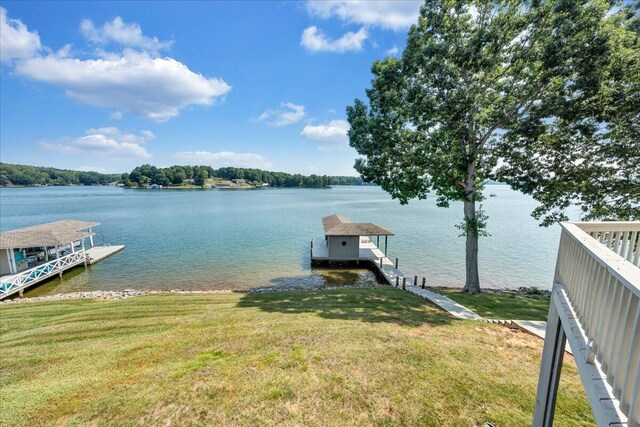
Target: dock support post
pixel 415 280
pixel 378 241
pixel 385 245
pixel 424 279
pixel 404 283
pixel 381 263
pixel 396 262
pixel 397 281
pixel 20 292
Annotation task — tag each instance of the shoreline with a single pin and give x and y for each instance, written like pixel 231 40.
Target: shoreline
pixel 129 293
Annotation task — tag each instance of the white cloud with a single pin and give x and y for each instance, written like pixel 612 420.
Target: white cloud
pixel 289 113
pixel 329 136
pixel 16 41
pixel 224 158
pixel 122 33
pixel 315 40
pixel 155 88
pixel 393 51
pixel 103 142
pixel 388 14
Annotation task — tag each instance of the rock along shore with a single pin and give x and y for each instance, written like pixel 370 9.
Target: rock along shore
pixel 128 293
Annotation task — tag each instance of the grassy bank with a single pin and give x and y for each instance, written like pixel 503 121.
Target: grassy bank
pixel 339 357
pixel 502 306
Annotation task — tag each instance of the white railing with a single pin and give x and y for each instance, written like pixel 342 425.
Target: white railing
pixel 17 282
pixel 596 306
pixel 622 238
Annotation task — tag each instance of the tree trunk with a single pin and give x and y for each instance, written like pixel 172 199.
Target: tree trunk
pixel 472 283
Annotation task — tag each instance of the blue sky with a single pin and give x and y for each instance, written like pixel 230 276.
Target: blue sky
pixel 107 86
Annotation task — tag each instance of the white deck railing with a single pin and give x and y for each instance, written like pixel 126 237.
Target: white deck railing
pixel 16 282
pixel 596 306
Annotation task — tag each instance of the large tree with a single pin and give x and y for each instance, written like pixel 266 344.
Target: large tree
pixel 476 78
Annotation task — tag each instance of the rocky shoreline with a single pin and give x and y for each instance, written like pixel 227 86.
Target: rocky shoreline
pixel 128 293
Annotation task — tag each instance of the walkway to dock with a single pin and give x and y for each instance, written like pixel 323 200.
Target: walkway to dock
pixel 394 276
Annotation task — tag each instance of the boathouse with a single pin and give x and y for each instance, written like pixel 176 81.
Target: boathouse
pixel 345 240
pixel 33 254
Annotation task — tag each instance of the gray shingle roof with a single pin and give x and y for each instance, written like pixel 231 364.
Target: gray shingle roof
pixel 338 225
pixel 50 234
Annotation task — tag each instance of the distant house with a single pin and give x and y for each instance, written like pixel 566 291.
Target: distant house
pixel 264 184
pixel 239 181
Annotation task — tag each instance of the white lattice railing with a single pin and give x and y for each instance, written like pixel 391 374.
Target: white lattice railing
pixel 16 282
pixel 596 306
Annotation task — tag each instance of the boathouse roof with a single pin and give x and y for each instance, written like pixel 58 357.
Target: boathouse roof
pixel 338 225
pixel 49 234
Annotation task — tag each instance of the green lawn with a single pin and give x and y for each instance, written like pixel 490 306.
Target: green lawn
pixel 333 357
pixel 502 306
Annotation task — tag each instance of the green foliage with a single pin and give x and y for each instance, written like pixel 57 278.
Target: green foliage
pixel 549 91
pixel 201 177
pixel 176 175
pixel 35 175
pixel 581 147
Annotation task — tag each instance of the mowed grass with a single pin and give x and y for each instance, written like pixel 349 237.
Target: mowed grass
pixel 502 306
pixel 333 357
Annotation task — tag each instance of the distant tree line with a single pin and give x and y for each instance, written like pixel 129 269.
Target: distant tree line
pixel 35 175
pixel 176 175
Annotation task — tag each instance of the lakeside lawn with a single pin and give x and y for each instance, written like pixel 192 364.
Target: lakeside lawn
pixel 502 306
pixel 332 357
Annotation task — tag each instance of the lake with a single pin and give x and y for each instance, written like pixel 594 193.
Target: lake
pixel 196 239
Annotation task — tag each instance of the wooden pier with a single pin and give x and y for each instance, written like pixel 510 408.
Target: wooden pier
pixel 34 254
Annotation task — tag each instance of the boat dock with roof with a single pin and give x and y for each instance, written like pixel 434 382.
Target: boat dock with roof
pixel 347 241
pixel 34 254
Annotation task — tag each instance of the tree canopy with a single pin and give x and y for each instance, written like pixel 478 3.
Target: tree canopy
pixel 34 175
pixel 503 89
pixel 175 175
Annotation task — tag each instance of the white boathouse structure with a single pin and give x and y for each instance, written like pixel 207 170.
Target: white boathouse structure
pixel 595 306
pixel 345 240
pixel 33 254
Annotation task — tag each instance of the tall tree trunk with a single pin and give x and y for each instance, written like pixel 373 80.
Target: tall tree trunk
pixel 472 283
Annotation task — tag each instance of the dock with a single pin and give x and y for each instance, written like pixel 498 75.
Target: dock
pixel 98 253
pixel 346 241
pixel 32 255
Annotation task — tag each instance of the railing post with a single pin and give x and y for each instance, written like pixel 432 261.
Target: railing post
pixel 551 365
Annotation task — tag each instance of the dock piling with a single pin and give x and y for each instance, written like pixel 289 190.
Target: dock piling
pixel 381 263
pixel 396 262
pixel 424 279
pixel 415 280
pixel 404 283
pixel 397 281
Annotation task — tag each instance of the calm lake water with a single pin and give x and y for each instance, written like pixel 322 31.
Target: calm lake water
pixel 193 239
